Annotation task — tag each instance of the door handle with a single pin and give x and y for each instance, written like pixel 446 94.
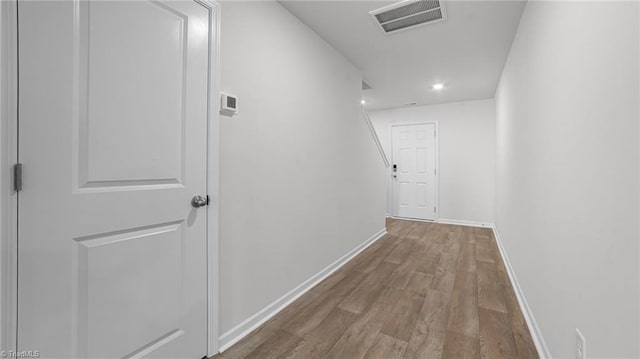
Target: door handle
pixel 199 201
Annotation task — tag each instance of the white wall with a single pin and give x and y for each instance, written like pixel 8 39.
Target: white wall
pixel 567 172
pixel 466 135
pixel 302 182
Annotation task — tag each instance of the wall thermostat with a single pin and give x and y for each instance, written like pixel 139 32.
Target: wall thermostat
pixel 228 104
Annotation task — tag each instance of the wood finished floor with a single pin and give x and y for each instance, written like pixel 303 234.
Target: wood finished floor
pixel 424 290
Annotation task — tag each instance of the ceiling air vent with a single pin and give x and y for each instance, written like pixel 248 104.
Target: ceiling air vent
pixel 408 13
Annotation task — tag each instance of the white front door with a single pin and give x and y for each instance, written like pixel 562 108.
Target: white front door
pixel 113 102
pixel 414 171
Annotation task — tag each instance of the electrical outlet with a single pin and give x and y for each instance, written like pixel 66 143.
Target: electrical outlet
pixel 581 345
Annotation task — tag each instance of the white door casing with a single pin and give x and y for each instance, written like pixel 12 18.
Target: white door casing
pixel 113 111
pixel 414 178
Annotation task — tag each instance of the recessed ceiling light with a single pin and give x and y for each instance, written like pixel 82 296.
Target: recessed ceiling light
pixel 438 87
pixel 363 101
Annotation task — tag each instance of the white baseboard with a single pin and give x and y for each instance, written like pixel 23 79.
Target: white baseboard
pixel 413 219
pixel 241 330
pixel 536 334
pixel 465 223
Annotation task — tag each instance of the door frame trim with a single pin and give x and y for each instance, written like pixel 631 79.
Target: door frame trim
pixel 213 178
pixel 9 155
pixel 437 165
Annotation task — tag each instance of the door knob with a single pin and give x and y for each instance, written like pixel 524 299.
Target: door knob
pixel 199 201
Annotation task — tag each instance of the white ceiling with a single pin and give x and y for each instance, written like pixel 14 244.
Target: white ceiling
pixel 466 52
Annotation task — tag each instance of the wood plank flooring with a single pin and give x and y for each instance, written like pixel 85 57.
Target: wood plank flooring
pixel 424 290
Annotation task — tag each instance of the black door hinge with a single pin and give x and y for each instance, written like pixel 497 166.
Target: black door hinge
pixel 17 177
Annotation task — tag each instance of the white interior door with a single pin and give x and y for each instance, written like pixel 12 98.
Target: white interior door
pixel 113 102
pixel 414 171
